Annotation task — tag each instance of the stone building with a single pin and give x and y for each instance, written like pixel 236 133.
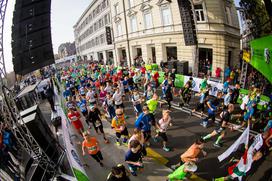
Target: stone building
pixel 93 32
pixel 152 30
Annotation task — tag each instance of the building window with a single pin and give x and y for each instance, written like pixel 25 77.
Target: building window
pixel 166 15
pixel 228 15
pixel 119 28
pixel 130 3
pixel 106 19
pixel 116 8
pixel 147 19
pixel 97 41
pixel 200 17
pixel 102 38
pixel 133 23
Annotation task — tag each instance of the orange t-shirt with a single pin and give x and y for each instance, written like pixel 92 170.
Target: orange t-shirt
pixel 191 153
pixel 91 145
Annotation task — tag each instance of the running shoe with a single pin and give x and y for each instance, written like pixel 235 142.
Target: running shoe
pixel 106 141
pixel 101 164
pixel 155 140
pixel 218 145
pixel 118 143
pixel 166 149
pixel 134 174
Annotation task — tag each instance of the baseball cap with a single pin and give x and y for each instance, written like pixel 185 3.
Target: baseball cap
pixel 91 107
pixel 190 166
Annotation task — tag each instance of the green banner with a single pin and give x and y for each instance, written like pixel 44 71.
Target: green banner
pixel 261 51
pixel 179 81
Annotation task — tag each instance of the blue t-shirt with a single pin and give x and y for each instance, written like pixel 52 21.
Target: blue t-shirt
pixel 133 157
pixel 213 107
pixel 268 126
pixel 82 105
pixel 143 122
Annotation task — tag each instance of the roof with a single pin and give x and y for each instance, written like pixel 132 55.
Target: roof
pixel 28 89
pixel 84 13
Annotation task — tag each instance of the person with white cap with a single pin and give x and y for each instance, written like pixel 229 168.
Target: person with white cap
pixel 94 117
pixel 182 172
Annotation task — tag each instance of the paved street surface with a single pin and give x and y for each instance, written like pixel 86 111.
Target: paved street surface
pixel 181 135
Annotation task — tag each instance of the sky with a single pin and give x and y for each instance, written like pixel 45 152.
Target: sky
pixel 64 15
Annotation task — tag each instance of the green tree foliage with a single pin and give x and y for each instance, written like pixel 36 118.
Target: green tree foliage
pixel 256 12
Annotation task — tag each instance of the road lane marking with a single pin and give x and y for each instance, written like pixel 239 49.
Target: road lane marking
pixel 156 156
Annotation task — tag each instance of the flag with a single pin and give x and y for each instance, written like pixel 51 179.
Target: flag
pixel 244 165
pixel 243 139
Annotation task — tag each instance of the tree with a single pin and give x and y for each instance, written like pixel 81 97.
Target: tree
pixel 256 12
pixel 268 6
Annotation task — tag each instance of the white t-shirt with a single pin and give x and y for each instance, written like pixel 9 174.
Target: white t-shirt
pixel 108 89
pixel 90 96
pixel 134 137
pixel 244 103
pixel 117 97
pixel 164 124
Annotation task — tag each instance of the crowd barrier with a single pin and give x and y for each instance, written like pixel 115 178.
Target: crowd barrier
pixel 67 132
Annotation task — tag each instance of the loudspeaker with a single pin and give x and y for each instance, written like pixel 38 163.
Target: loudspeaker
pixel 43 135
pixel 182 67
pixel 34 59
pixel 188 23
pixel 172 64
pixel 31 36
pixel 32 41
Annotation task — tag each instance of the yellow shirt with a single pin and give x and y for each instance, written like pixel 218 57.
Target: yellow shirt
pixel 118 122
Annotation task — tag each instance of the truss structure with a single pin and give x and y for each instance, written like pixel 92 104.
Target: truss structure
pixel 12 117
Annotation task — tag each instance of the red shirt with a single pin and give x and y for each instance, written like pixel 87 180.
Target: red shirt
pixel 143 70
pixel 74 118
pixel 156 75
pixel 97 84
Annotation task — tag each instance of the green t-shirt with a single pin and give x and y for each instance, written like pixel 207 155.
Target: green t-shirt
pixel 203 85
pixel 178 174
pixel 152 105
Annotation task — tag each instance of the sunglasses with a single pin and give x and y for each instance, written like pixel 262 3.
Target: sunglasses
pixel 119 114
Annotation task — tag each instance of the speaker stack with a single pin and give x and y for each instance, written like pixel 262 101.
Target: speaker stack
pixel 31 36
pixel 182 67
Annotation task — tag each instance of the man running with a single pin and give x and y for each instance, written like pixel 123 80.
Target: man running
pixel 74 118
pixel 119 125
pixel 144 123
pixel 220 130
pixel 91 144
pixel 94 117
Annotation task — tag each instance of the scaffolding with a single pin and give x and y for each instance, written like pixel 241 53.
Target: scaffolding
pixel 11 115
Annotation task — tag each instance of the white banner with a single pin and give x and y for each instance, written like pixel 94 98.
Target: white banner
pixel 243 139
pixel 71 152
pixel 215 86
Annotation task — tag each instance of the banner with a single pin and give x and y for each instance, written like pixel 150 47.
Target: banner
pixel 71 152
pixel 215 86
pixel 179 81
pixel 246 161
pixel 261 51
pixel 246 56
pixel 243 139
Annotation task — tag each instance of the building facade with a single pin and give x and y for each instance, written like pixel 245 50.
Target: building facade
pixel 152 30
pixel 93 33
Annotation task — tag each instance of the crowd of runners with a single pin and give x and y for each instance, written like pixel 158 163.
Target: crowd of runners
pixel 96 92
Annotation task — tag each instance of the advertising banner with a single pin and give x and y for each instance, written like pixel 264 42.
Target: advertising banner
pixel 261 51
pixel 179 81
pixel 246 56
pixel 197 82
pixel 72 155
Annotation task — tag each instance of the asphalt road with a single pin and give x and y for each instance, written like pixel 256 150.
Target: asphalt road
pixel 185 130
